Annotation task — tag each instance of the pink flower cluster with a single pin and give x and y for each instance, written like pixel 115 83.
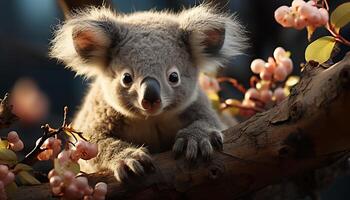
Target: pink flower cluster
pixel 302 14
pixel 82 149
pixel 70 187
pixel 277 68
pixel 16 144
pixel 52 148
pixel 265 96
pixel 65 184
pixel 6 177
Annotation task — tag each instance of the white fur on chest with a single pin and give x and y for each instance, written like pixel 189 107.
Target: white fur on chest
pixel 156 134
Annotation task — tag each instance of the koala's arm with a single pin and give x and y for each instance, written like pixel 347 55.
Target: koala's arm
pixel 117 155
pixel 202 133
pixel 101 124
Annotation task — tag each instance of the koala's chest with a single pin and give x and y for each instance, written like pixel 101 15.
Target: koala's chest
pixel 157 135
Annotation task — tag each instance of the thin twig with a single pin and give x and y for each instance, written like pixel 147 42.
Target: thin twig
pixel 48 132
pixel 233 82
pixel 325 5
pixel 65 110
pixel 31 157
pixel 253 81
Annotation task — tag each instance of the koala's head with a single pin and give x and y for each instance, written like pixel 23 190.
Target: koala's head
pixel 147 63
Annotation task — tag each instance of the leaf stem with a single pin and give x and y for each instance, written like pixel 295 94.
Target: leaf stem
pixel 336 34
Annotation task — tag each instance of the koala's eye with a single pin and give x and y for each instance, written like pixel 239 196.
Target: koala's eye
pixel 174 77
pixel 127 79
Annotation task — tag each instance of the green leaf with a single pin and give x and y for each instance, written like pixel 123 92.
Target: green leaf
pixel 22 167
pixel 27 179
pixel 69 165
pixel 11 188
pixel 7 156
pixel 341 15
pixel 4 144
pixel 320 50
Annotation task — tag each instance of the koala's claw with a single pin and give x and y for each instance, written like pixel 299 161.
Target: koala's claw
pixel 205 144
pixel 137 164
pixel 192 149
pixel 178 147
pixel 206 149
pixel 216 140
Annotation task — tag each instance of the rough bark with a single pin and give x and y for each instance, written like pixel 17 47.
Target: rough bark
pixel 307 131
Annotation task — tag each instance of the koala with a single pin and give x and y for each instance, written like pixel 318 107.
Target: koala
pixel 144 97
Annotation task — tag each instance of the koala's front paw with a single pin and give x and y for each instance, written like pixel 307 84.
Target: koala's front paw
pixel 197 139
pixel 133 162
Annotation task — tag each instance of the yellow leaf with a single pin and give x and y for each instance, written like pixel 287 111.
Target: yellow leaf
pixel 4 143
pixel 68 132
pixel 286 91
pixel 68 165
pixel 292 80
pixel 341 15
pixel 7 156
pixel 320 50
pixel 213 96
pixel 27 179
pixel 22 167
pixel 215 100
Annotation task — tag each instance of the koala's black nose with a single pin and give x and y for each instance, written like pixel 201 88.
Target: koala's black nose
pixel 151 95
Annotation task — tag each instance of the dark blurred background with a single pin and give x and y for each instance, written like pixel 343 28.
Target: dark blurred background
pixel 27 27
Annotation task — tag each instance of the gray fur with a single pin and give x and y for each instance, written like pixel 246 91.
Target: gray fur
pixel 103 46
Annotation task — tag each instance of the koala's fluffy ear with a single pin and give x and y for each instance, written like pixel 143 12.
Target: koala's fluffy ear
pixel 84 41
pixel 213 37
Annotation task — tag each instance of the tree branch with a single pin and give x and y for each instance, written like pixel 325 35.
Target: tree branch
pixel 307 131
